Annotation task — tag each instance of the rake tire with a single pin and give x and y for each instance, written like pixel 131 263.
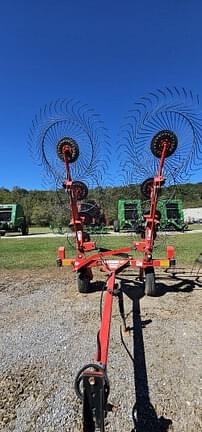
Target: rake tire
pixel 84 277
pixel 150 284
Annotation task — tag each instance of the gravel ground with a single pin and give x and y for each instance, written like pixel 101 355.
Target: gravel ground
pixel 48 332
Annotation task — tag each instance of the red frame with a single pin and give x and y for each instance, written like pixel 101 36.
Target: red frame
pixel 113 267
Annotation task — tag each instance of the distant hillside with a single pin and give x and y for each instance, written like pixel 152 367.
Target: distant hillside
pixel 45 207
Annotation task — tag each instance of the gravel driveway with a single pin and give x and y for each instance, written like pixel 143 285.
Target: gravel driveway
pixel 48 332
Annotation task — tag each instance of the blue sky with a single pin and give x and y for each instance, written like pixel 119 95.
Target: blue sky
pixel 104 53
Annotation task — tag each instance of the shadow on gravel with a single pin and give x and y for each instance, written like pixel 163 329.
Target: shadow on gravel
pixel 178 284
pixel 144 415
pixel 184 285
pixel 97 287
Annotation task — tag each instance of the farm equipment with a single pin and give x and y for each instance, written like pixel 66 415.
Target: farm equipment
pixel 12 219
pixel 94 218
pixel 157 130
pixel 129 216
pixel 172 215
pixel 94 390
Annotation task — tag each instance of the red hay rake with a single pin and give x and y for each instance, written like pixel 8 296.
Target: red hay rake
pixel 160 119
pixel 94 376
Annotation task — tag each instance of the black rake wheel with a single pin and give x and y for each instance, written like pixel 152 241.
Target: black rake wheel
pixel 70 127
pixel 81 190
pixel 70 147
pixel 84 276
pixel 150 284
pixel 171 115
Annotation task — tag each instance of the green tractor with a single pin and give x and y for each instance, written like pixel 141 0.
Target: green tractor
pixel 130 216
pixel 171 215
pixel 12 219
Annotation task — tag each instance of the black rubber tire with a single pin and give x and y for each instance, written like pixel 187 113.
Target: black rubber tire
pixel 150 285
pixel 73 146
pixel 78 379
pixel 116 226
pixel 25 230
pixel 84 277
pixel 81 190
pixel 157 141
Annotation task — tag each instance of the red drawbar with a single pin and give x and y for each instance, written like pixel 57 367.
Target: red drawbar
pixel 104 333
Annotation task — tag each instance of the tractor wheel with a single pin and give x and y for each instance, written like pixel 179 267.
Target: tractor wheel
pixel 25 230
pixel 72 149
pixel 84 276
pixel 158 141
pixel 80 189
pixel 116 226
pixel 150 285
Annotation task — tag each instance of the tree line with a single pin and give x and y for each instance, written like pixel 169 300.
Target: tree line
pixel 43 208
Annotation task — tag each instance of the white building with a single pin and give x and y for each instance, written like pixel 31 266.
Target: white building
pixel 193 214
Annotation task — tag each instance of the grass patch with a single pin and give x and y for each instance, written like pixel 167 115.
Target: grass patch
pixel 39 230
pixel 194 227
pixel 29 253
pixel 40 253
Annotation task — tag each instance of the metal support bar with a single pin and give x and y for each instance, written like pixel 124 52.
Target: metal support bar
pixel 94 401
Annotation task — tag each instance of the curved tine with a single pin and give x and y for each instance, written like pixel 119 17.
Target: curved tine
pixel 162 93
pixel 198 100
pixel 191 95
pixel 56 107
pixel 131 119
pixel 81 108
pixel 45 110
pixel 41 114
pixel 141 104
pixel 177 91
pixel 68 104
pixel 155 96
pixel 135 117
pixel 86 122
pixel 35 121
pixel 170 91
pixel 73 108
pixel 62 102
pixel 90 121
pixel 185 93
pixel 87 117
pixel 147 99
pixel 51 110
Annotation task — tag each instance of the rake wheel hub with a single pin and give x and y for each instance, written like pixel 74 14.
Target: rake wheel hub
pixel 69 146
pixel 164 137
